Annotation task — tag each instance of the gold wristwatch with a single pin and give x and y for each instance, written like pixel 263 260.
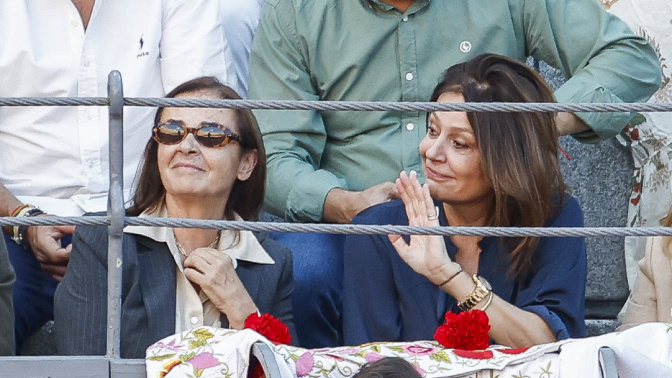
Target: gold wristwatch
pixel 480 292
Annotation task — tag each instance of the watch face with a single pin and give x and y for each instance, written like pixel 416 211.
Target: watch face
pixel 485 282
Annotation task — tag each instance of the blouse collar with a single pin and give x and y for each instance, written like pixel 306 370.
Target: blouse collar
pixel 239 245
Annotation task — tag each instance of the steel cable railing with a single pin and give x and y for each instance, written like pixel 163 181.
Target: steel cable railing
pixel 345 105
pixel 346 229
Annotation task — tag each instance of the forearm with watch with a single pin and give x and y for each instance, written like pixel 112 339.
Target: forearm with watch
pixel 12 207
pixel 470 291
pixel 18 233
pixel 509 324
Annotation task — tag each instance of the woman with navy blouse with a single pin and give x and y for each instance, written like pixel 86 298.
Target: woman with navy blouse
pixel 481 169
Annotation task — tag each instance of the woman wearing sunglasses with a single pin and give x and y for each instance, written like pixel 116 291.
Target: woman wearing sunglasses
pixel 201 163
pixel 481 169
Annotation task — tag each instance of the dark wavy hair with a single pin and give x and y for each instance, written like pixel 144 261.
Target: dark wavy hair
pixel 246 197
pixel 388 367
pixel 519 151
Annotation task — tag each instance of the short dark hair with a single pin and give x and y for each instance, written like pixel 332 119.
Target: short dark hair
pixel 388 367
pixel 247 197
pixel 519 150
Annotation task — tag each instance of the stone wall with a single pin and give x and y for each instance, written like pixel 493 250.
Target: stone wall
pixel 598 176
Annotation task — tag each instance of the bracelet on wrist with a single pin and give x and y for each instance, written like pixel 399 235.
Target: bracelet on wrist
pixel 19 209
pixel 459 270
pixel 18 233
pixel 488 302
pixel 10 229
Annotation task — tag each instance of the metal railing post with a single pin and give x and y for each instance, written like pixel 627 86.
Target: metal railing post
pixel 115 211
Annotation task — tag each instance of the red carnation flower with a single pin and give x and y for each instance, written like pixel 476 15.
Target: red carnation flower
pixel 467 330
pixel 270 327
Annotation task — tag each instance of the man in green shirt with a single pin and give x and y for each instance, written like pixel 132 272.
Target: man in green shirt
pixel 328 166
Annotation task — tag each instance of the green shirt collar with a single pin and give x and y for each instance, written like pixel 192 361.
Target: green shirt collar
pixel 380 6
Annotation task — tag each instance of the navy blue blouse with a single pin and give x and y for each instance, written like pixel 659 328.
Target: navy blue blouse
pixel 385 300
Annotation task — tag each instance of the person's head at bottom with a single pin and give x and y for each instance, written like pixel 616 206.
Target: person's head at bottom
pixel 388 367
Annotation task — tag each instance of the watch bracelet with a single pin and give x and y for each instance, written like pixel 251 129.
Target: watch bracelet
pixel 478 294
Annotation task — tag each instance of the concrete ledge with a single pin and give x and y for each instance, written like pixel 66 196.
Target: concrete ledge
pixel 600 327
pixel 127 369
pixel 55 367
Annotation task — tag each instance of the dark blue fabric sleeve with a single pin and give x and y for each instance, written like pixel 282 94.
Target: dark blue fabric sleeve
pixel 555 289
pixel 370 303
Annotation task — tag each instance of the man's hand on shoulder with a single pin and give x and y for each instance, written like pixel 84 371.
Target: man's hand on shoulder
pixel 45 242
pixel 342 205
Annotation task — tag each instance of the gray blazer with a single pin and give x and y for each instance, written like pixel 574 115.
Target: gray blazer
pixel 148 292
pixel 7 278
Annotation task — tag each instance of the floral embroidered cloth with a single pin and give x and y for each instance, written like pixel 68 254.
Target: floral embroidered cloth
pixel 427 357
pixel 649 135
pixel 206 352
pixel 645 350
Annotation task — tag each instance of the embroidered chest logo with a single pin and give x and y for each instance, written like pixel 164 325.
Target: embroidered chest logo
pixel 142 44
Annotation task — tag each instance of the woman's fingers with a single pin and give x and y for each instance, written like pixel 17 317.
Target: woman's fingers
pixel 197 262
pixel 431 210
pixel 403 194
pixel 411 201
pixel 407 196
pixel 397 241
pixel 417 200
pixel 208 260
pixel 400 245
pixel 194 275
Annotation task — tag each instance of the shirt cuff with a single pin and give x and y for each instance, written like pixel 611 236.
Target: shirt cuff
pixel 306 199
pixel 552 320
pixel 603 125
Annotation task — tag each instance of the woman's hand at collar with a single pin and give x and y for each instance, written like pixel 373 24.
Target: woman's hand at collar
pixel 213 271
